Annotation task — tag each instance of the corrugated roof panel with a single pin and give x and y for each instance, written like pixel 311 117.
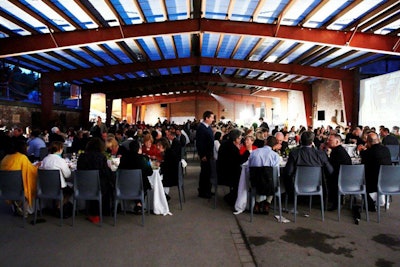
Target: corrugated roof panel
pixel 205 69
pixel 105 12
pixel 141 74
pixel 13 27
pixel 228 44
pixel 363 61
pixel 45 11
pixel 266 45
pixel 270 11
pixel 56 60
pixel 163 71
pixel 243 10
pixel 116 50
pixel 41 62
pixel 166 46
pixel 216 9
pixel 177 9
pixel 74 11
pixel 246 46
pixel 97 79
pixel 119 76
pixel 298 11
pixel 108 78
pixel 16 62
pixel 87 80
pixel 210 44
pixel 243 72
pixel 182 43
pixel 152 10
pixel 332 56
pixel 130 75
pixel 100 52
pixel 280 50
pixel 298 52
pixel 19 14
pixel 360 10
pixel 253 73
pixel 186 69
pixel 229 71
pixel 148 45
pixel 127 11
pixel 84 55
pixel 71 58
pixel 287 78
pixel 326 13
pixel 355 55
pixel 389 28
pixel 175 70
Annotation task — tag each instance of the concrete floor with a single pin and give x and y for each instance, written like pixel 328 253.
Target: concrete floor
pixel 199 235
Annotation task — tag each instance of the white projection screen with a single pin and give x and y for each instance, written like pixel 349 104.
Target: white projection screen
pixel 380 101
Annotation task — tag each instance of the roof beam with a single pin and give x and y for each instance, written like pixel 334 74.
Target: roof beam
pixel 13 46
pixel 324 73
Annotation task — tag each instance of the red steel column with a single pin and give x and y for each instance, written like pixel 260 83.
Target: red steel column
pixel 47 90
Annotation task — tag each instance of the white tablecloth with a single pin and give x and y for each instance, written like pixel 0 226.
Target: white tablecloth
pixel 159 201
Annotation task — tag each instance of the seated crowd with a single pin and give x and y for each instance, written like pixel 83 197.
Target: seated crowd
pixel 138 144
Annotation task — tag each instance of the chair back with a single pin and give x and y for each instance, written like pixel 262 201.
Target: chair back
pixel 180 174
pixel 394 152
pixel 389 179
pixel 307 179
pixel 264 179
pixel 351 177
pixel 49 184
pixel 43 152
pixel 87 184
pixel 11 185
pixel 129 184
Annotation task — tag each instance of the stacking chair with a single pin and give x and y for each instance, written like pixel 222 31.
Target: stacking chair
pixel 49 187
pixel 12 188
pixel 394 153
pixel 352 182
pixel 308 182
pixel 276 190
pixel 129 186
pixel 388 184
pixel 87 187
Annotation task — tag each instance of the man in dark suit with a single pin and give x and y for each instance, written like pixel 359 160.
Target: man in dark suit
pixel 306 155
pixel 387 138
pixel 338 156
pixel 174 142
pixel 205 148
pixel 373 155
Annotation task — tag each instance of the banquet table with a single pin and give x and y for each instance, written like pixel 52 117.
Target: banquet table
pixel 242 202
pixel 158 200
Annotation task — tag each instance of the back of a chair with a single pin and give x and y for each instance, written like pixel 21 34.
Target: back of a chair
pixel 389 179
pixel 180 174
pixel 43 152
pixel 129 183
pixel 48 183
pixel 307 179
pixel 11 185
pixel 264 179
pixel 351 177
pixel 394 152
pixel 86 184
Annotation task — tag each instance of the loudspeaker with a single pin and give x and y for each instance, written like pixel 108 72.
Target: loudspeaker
pixel 321 115
pixel 163 105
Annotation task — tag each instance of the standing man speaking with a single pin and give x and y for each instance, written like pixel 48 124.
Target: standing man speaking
pixel 205 148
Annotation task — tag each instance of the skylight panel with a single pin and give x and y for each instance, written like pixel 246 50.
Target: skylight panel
pixel 177 9
pixel 186 69
pixel 166 46
pixel 263 48
pixel 163 71
pixel 216 9
pixel 245 47
pixel 152 10
pixel 78 13
pixel 14 27
pixel 105 12
pixel 86 56
pixel 127 11
pixel 270 11
pixel 56 60
pixel 43 63
pixel 148 45
pixel 116 50
pixel 182 43
pixel 210 43
pixel 228 44
pixel 389 28
pixel 175 70
pixel 100 52
pixel 205 69
pixel 281 50
pixel 325 13
pixel 16 12
pixel 44 10
pixel 243 10
pixel 296 12
pixel 355 55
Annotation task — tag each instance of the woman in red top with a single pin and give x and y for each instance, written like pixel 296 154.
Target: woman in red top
pixel 248 144
pixel 150 149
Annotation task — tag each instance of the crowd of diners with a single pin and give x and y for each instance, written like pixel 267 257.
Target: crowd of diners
pixel 139 145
